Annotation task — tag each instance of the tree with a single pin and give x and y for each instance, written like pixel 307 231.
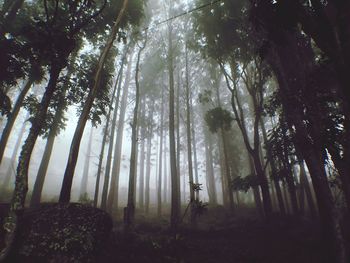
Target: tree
pixel 129 212
pixel 175 187
pixel 114 185
pixel 74 150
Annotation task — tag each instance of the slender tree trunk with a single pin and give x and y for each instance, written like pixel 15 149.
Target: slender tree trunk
pixel 273 171
pixel 11 169
pixel 74 149
pixel 85 176
pixel 109 157
pixel 194 142
pixel 226 166
pixel 13 116
pixel 175 205
pixel 256 190
pixel 148 167
pixel 178 142
pixel 165 192
pixel 225 193
pixel 160 168
pixel 210 168
pixel 189 143
pixel 44 164
pixel 130 209
pixel 304 180
pixel 289 175
pixel 117 86
pixel 142 156
pixel 114 186
pixel 21 183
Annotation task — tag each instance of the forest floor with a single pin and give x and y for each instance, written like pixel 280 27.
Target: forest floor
pixel 219 237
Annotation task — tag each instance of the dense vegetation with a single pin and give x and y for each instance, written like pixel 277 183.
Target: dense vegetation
pixel 210 131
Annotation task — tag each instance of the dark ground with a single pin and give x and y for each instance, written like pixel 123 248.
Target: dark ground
pixel 221 237
pixel 218 237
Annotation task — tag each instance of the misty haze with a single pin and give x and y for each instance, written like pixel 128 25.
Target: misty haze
pixel 175 131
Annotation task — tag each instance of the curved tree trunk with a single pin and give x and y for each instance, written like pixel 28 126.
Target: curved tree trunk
pixel 74 149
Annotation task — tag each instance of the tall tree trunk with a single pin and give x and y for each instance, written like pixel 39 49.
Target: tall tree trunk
pixel 160 168
pixel 148 167
pixel 109 156
pixel 166 177
pixel 256 190
pixel 289 175
pixel 114 186
pixel 175 204
pixel 225 193
pixel 312 151
pixel 273 170
pixel 85 176
pixel 11 169
pixel 117 86
pixel 44 164
pixel 130 209
pixel 142 156
pixel 178 142
pixel 210 167
pixel 304 180
pixel 21 183
pixel 74 149
pixel 189 143
pixel 13 115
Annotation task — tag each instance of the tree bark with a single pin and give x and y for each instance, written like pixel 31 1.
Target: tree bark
pixel 189 143
pixel 175 204
pixel 160 167
pixel 13 116
pixel 117 86
pixel 21 182
pixel 44 164
pixel 11 169
pixel 142 155
pixel 74 149
pixel 273 171
pixel 109 156
pixel 148 167
pixel 85 176
pixel 130 209
pixel 114 185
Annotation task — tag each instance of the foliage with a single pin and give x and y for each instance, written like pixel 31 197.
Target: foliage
pixel 71 233
pixel 82 82
pixel 244 183
pixel 199 207
pixel 218 118
pixel 85 199
pixel 196 187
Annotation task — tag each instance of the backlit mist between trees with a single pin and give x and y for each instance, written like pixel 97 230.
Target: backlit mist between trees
pixel 170 109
